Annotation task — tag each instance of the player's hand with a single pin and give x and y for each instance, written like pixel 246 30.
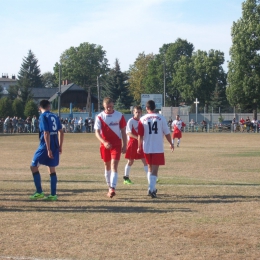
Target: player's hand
pixel 123 150
pixel 50 154
pixel 138 150
pixel 107 145
pixel 172 147
pixel 60 150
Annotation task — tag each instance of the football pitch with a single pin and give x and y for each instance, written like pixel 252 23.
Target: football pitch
pixel 208 204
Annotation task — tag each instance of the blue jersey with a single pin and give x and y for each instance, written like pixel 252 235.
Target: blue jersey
pixel 49 122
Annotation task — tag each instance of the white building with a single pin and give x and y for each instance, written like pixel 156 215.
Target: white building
pixel 6 82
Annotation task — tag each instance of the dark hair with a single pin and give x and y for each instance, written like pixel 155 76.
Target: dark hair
pixel 44 103
pixel 150 105
pixel 137 108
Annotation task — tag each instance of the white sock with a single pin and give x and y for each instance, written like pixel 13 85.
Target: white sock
pixel 146 170
pixel 113 179
pixel 107 176
pixel 148 177
pixel 179 140
pixel 172 141
pixel 152 183
pixel 127 170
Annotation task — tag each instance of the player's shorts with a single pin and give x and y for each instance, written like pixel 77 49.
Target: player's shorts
pixel 177 135
pixel 154 158
pixel 131 151
pixel 109 154
pixel 41 157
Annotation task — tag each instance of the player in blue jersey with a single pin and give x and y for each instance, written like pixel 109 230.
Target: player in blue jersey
pixel 51 139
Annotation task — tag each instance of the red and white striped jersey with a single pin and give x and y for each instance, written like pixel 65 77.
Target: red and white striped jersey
pixel 177 125
pixel 110 126
pixel 132 127
pixel 153 127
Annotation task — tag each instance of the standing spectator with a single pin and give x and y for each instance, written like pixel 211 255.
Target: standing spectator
pixel 80 124
pixel 90 125
pixel 15 122
pixel 110 131
pixel 34 124
pixel 86 125
pixel 6 124
pixel 241 124
pixel 11 125
pixel 204 125
pixel 75 124
pixel 234 123
pixel 254 124
pixel 152 128
pixel 192 123
pixel 248 124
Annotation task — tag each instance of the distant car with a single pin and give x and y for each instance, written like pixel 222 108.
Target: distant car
pixel 225 125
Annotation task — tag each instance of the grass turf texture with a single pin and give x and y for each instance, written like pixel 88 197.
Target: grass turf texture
pixel 208 204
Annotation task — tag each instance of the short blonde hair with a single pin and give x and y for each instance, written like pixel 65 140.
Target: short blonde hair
pixel 107 100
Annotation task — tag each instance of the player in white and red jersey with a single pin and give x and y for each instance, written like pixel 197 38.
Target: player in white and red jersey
pixel 132 145
pixel 152 128
pixel 177 125
pixel 110 131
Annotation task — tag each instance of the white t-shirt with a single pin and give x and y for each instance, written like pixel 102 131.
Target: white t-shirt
pixel 153 127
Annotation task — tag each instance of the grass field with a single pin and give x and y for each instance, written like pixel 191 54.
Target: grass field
pixel 208 204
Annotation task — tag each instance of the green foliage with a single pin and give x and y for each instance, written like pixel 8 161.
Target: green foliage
pixel 49 80
pixel 29 77
pixel 116 86
pixel 14 91
pixel 82 64
pixel 5 107
pixel 31 109
pixel 67 110
pixel 137 75
pixel 244 67
pixel 18 108
pixel 1 89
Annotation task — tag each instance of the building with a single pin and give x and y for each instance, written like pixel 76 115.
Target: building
pixel 6 82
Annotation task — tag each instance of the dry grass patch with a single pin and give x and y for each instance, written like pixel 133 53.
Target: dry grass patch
pixel 207 206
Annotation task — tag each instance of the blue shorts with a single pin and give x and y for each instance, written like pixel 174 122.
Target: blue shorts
pixel 41 157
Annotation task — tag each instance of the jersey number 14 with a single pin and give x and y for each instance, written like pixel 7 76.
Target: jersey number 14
pixel 153 128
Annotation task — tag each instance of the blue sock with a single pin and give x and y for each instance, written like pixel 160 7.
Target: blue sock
pixel 37 181
pixel 53 179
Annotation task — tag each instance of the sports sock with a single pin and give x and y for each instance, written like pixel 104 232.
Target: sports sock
pixel 148 177
pixel 179 140
pixel 107 176
pixel 172 141
pixel 152 183
pixel 37 181
pixel 113 179
pixel 53 180
pixel 127 170
pixel 146 170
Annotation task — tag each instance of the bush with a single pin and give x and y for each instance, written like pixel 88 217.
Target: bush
pixel 31 109
pixel 18 108
pixel 6 107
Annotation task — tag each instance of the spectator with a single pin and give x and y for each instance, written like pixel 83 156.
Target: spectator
pixel 248 124
pixel 75 124
pixel 6 124
pixel 15 122
pixel 34 124
pixel 86 125
pixel 204 125
pixel 234 123
pixel 80 124
pixel 242 123
pixel 192 123
pixel 254 124
pixel 11 125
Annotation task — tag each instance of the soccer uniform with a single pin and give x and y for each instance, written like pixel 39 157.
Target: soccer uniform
pixel 177 125
pixel 153 127
pixel 48 122
pixel 110 126
pixel 132 145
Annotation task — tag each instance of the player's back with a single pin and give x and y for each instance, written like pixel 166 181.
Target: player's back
pixel 153 127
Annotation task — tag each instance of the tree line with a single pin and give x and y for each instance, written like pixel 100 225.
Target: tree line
pixel 184 73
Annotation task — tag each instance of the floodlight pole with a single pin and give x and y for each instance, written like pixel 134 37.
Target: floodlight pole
pixel 196 102
pixel 98 91
pixel 164 83
pixel 59 93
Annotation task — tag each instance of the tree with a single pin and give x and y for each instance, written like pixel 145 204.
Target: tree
pixel 164 66
pixel 49 80
pixel 116 86
pixel 18 108
pixel 82 64
pixel 30 109
pixel 5 107
pixel 244 66
pixel 29 76
pixel 138 74
pixel 14 91
pixel 1 90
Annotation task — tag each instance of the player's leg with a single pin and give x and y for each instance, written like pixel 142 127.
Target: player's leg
pixel 145 166
pixel 53 184
pixel 107 172
pixel 153 170
pixel 106 157
pixel 36 174
pixel 127 171
pixel 178 142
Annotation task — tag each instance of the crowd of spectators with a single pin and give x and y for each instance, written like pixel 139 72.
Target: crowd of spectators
pixel 19 125
pixel 75 125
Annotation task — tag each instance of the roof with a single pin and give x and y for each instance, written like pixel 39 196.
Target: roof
pixel 43 92
pixel 64 88
pixel 8 80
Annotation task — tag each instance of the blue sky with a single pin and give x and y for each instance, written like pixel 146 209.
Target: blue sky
pixel 123 27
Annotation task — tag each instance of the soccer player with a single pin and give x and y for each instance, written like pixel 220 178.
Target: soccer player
pixel 132 145
pixel 177 125
pixel 110 131
pixel 51 140
pixel 152 128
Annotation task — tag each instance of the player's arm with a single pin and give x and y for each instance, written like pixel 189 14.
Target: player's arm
pixel 132 135
pixel 124 139
pixel 101 140
pixel 169 139
pixel 140 143
pixel 61 138
pixel 46 135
